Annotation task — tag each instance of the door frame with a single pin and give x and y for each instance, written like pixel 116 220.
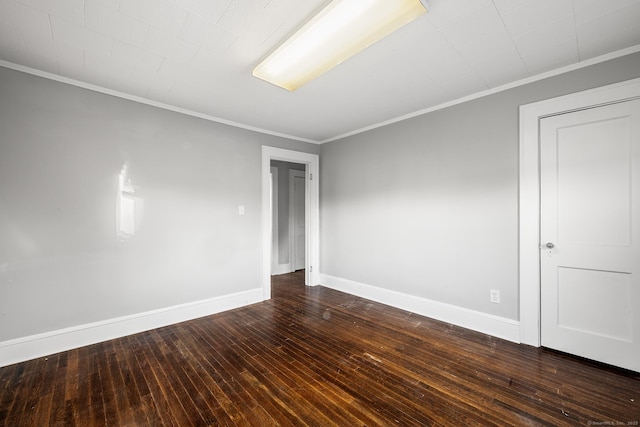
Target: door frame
pixel 275 240
pixel 312 213
pixel 292 174
pixel 529 190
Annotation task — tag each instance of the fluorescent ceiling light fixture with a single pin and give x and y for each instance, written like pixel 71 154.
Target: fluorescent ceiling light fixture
pixel 342 29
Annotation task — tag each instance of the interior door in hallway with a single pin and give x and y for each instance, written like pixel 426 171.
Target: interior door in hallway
pixel 590 233
pixel 297 218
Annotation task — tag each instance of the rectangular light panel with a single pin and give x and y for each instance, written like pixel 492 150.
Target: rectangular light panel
pixel 339 31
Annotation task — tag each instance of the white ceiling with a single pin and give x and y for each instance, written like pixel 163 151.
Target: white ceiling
pixel 197 55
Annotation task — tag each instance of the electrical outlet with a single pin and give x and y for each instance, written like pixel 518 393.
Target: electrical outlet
pixel 495 296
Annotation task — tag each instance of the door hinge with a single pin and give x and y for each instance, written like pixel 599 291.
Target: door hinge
pixel 310 177
pixel 310 269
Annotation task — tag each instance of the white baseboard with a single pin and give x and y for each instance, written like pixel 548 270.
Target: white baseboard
pixel 281 269
pixel 496 326
pixel 34 346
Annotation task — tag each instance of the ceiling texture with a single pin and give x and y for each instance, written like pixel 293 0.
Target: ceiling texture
pixel 197 55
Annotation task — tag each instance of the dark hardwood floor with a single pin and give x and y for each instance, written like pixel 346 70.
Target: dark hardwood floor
pixel 317 357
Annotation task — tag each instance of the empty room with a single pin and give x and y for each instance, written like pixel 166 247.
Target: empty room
pixel 319 213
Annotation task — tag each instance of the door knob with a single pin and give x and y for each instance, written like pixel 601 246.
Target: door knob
pixel 550 245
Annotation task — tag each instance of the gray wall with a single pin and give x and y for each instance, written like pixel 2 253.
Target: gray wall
pixel 283 207
pixel 429 206
pixel 61 263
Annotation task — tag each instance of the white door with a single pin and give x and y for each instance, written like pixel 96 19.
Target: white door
pixel 590 233
pixel 297 219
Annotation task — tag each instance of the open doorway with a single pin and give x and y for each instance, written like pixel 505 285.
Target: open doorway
pixel 311 214
pixel 288 217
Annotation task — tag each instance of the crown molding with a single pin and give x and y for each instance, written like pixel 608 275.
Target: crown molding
pixel 477 95
pixel 498 89
pixel 141 100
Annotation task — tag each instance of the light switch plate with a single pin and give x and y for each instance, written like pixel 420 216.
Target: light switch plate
pixel 495 296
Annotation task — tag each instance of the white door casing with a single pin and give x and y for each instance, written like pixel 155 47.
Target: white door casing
pixel 297 219
pixel 590 233
pixel 274 219
pixel 312 213
pixel 529 191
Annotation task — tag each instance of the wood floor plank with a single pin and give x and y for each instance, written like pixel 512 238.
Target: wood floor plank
pixel 230 358
pixel 115 411
pixel 21 410
pixel 315 357
pixel 97 416
pixel 487 371
pixel 207 368
pixel 200 398
pixel 56 415
pixel 325 358
pixel 43 391
pixel 284 389
pixel 360 366
pixel 167 395
pixel 405 367
pixel 9 379
pixel 307 386
pixel 125 372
